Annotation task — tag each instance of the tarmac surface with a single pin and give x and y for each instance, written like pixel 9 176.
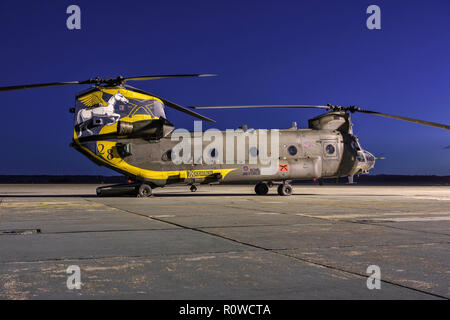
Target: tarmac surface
pixel 225 242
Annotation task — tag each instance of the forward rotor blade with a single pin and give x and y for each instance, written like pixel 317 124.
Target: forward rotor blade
pixel 176 106
pixel 427 123
pixel 260 106
pixel 168 76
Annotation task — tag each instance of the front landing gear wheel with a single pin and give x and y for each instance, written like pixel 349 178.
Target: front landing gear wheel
pixel 261 189
pixel 193 188
pixel 144 191
pixel 284 189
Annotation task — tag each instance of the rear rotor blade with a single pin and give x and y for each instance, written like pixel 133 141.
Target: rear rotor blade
pixel 427 123
pixel 185 110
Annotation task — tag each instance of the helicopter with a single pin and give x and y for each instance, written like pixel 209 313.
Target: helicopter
pixel 126 129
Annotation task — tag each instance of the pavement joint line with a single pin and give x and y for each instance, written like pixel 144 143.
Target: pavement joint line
pixel 100 231
pixel 125 256
pixel 346 221
pixel 366 246
pixel 391 282
pixel 288 255
pixel 308 261
pixel 378 224
pixel 263 225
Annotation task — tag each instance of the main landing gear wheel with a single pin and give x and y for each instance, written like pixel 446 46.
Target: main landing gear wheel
pixel 144 191
pixel 261 189
pixel 193 188
pixel 284 189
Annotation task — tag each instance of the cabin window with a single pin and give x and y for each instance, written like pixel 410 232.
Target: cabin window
pixel 292 150
pixel 330 149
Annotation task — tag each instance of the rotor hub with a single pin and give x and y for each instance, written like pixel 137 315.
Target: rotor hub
pixel 351 109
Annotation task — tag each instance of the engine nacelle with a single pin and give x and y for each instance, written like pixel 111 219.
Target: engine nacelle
pixel 336 120
pixel 147 129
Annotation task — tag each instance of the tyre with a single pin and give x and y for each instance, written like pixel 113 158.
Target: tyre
pixel 261 189
pixel 284 189
pixel 193 188
pixel 144 191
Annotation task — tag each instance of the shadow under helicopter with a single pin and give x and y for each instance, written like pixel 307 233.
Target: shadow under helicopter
pixel 184 195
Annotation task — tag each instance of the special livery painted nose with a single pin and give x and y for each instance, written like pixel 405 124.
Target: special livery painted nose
pixel 366 161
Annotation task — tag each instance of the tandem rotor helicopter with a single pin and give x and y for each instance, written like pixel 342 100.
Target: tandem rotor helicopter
pixel 126 129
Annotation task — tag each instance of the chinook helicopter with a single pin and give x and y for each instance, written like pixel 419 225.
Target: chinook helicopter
pixel 125 129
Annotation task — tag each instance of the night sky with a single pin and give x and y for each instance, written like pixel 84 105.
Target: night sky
pixel 264 52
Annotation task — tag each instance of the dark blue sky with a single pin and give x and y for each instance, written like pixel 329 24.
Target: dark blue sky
pixel 265 52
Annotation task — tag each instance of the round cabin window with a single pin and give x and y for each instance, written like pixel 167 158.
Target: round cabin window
pixel 330 149
pixel 292 150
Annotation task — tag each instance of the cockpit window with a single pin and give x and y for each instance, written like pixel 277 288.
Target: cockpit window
pixel 354 145
pixel 370 157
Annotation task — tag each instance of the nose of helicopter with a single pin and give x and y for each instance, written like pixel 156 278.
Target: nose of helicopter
pixel 366 161
pixel 370 159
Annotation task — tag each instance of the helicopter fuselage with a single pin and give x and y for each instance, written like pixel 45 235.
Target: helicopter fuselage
pixel 303 154
pixel 135 139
